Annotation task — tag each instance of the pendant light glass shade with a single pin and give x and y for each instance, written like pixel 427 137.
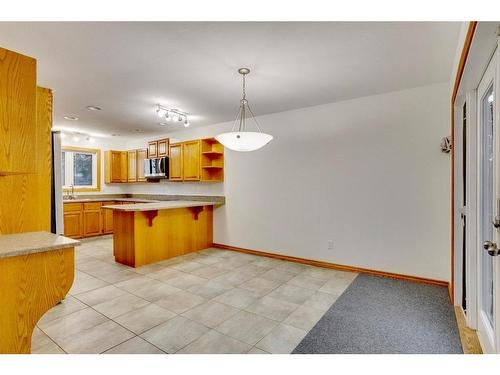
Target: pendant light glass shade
pixel 244 141
pixel 238 139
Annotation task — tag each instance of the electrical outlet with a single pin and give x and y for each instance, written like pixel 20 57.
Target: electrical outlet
pixel 330 244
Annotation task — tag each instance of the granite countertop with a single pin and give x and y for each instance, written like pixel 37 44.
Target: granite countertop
pixel 12 245
pixel 165 205
pixel 83 200
pixel 145 198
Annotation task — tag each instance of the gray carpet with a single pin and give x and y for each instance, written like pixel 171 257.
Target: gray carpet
pixel 381 315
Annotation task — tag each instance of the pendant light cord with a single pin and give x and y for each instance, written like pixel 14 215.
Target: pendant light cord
pixel 242 111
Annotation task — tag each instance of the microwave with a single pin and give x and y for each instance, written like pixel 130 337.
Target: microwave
pixel 156 168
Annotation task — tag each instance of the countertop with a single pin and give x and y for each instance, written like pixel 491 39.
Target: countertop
pixel 165 205
pixel 83 200
pixel 12 245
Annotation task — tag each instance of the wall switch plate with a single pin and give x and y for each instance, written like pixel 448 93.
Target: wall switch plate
pixel 330 244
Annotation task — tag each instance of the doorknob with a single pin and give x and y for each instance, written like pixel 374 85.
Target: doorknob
pixel 491 248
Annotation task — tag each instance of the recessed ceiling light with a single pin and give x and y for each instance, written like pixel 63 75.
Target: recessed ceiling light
pixel 93 108
pixel 71 118
pixel 163 123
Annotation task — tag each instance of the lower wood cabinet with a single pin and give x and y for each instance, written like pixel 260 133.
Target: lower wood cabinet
pixel 107 219
pixel 92 219
pixel 73 225
pixel 88 219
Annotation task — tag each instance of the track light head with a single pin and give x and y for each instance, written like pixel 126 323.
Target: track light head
pixel 161 112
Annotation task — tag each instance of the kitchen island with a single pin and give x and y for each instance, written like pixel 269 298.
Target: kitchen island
pixel 146 233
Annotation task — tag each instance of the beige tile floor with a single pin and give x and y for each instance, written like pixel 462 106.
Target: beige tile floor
pixel 212 301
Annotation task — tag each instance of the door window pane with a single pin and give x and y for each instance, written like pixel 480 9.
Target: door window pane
pixel 487 204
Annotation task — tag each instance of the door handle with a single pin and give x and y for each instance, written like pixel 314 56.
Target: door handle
pixel 491 248
pixel 496 222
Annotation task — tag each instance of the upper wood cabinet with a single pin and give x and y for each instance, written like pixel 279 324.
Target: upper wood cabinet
pixel 153 149
pixel 175 162
pixel 158 149
pixel 194 160
pixel 132 166
pixel 115 166
pixel 197 160
pixel 212 160
pixel 163 147
pixel 191 160
pixel 142 154
pixel 17 113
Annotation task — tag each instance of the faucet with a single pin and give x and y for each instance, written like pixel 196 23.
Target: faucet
pixel 72 195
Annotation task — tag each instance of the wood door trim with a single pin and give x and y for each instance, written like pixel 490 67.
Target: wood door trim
pixel 341 267
pixel 460 70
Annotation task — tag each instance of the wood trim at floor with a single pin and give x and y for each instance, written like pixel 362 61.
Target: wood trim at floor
pixel 319 263
pixel 468 336
pixel 456 85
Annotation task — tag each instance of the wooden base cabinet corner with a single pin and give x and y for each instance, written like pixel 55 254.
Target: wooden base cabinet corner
pixel 31 285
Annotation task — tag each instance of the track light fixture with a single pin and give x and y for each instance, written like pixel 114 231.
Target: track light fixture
pixel 171 114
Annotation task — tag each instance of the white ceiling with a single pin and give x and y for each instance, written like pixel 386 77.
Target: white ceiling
pixel 126 68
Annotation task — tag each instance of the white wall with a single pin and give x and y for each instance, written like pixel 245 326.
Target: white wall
pixel 366 173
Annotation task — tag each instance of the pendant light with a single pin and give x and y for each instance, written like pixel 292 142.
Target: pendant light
pixel 239 139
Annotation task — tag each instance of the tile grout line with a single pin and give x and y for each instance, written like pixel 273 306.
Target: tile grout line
pixel 221 259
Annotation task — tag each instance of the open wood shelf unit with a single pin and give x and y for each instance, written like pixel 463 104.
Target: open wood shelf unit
pixel 212 160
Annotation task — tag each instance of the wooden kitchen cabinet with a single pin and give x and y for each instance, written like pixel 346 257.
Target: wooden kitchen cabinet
pixel 132 166
pixel 107 218
pixel 18 130
pixel 91 219
pixel 191 160
pixel 73 220
pixel 175 162
pixel 153 149
pixel 158 148
pixel 212 160
pixel 87 219
pixel 163 147
pixel 142 154
pixel 115 166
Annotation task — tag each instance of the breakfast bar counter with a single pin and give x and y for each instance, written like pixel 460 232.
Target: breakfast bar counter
pixel 146 233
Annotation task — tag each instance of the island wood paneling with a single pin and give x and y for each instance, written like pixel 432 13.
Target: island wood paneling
pixel 173 232
pixel 31 285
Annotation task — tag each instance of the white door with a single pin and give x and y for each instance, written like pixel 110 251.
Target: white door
pixel 488 209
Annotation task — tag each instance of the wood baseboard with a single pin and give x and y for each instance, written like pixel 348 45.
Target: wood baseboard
pixel 319 263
